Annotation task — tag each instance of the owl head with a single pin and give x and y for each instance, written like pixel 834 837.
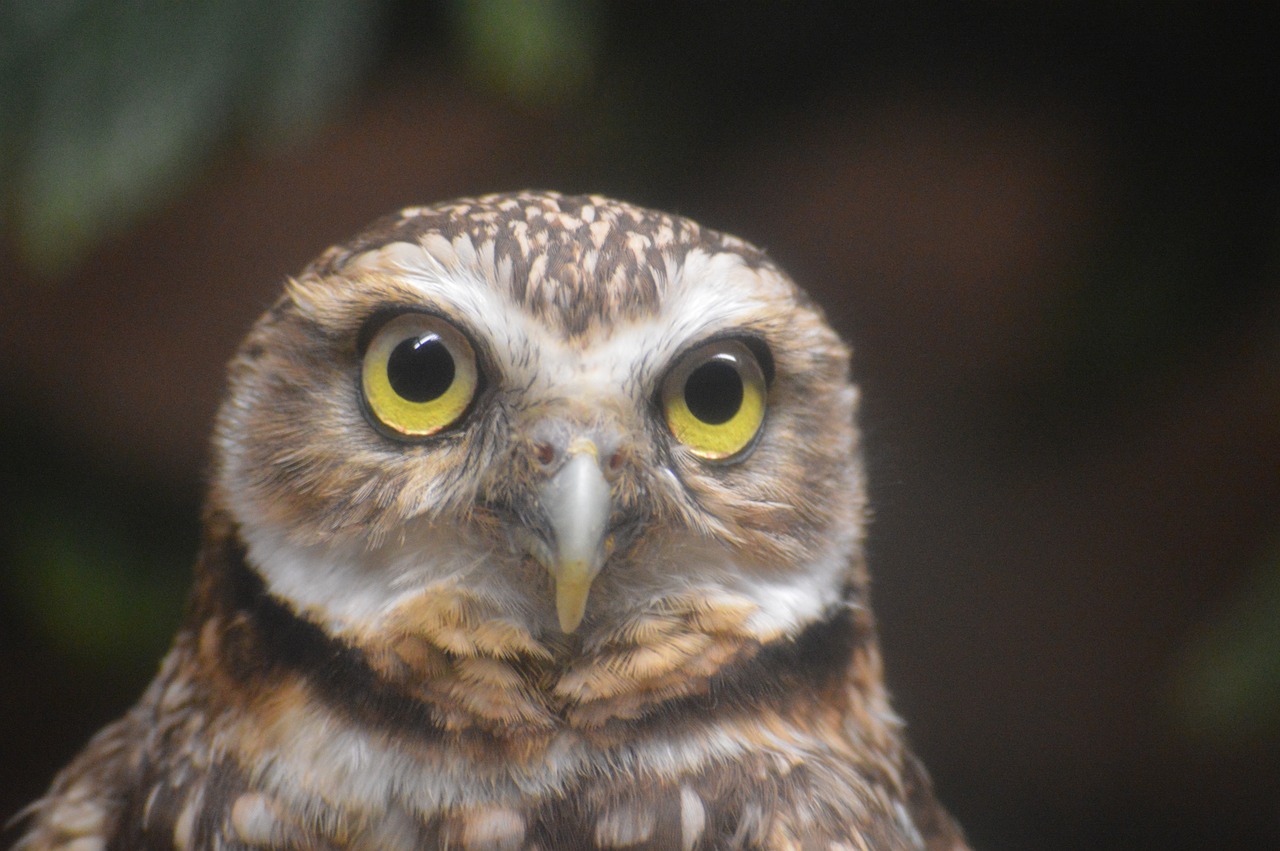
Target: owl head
pixel 501 421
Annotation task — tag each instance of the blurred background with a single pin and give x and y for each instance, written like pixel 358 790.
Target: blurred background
pixel 1052 232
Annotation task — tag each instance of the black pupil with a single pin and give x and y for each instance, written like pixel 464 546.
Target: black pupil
pixel 713 392
pixel 420 368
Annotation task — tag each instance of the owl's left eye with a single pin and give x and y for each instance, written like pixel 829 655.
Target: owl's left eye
pixel 714 399
pixel 418 375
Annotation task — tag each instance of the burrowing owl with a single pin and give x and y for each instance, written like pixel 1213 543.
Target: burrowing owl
pixel 536 522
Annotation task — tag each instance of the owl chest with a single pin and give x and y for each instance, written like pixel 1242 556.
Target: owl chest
pixel 346 792
pixel 288 771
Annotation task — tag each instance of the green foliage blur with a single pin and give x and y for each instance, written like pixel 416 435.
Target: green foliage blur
pixel 111 108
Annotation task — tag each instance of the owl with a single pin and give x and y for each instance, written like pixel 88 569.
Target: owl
pixel 535 522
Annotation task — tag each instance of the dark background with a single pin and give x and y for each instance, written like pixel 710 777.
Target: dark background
pixel 1052 234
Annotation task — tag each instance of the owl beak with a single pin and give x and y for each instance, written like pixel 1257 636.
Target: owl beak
pixel 577 504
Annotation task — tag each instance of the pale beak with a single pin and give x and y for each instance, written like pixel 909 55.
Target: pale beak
pixel 576 502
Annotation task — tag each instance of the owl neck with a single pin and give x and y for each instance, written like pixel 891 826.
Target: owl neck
pixel 413 688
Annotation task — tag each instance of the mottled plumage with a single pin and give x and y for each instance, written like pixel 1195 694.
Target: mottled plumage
pixel 536 522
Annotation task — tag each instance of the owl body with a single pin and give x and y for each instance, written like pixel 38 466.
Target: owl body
pixel 536 522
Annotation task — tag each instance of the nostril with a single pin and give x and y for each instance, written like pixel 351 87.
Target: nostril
pixel 545 453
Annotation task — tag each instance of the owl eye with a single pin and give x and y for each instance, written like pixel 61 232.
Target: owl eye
pixel 418 375
pixel 714 399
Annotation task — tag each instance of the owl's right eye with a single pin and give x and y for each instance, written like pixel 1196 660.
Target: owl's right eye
pixel 418 375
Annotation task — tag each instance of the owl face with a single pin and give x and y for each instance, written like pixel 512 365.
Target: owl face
pixel 516 418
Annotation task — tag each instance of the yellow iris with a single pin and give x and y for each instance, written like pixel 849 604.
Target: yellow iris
pixel 419 375
pixel 714 399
